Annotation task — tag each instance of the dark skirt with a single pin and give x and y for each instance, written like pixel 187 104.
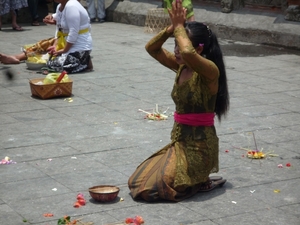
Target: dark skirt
pixel 72 63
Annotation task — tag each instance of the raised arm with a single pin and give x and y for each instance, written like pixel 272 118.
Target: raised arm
pixel 192 58
pixel 191 54
pixel 154 48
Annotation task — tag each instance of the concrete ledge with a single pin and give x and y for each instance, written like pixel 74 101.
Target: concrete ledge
pixel 257 36
pixel 129 12
pixel 248 25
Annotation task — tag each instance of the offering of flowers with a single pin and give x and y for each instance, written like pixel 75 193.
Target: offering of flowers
pixel 155 115
pixel 36 59
pixel 255 153
pixel 39 47
pixel 80 201
pixel 52 78
pixel 6 161
pixel 137 220
pixel 66 220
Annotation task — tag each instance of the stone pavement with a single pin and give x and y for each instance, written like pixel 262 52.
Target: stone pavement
pixel 62 148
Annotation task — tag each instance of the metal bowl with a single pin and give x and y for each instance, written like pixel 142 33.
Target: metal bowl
pixel 104 193
pixel 35 66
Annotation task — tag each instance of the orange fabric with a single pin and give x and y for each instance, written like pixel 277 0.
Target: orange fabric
pixel 158 177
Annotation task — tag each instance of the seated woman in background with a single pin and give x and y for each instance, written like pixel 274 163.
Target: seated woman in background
pixel 73 43
pixel 70 50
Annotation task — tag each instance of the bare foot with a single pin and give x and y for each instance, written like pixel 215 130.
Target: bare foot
pixel 8 59
pixel 90 66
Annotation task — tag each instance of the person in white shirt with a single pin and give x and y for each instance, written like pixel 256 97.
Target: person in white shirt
pixel 72 48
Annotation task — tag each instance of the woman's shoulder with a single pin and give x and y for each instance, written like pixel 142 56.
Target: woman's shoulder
pixel 74 3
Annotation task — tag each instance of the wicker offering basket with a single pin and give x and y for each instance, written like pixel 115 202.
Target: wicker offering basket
pixel 46 91
pixel 156 20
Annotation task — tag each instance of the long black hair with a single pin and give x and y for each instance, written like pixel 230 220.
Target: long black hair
pixel 199 33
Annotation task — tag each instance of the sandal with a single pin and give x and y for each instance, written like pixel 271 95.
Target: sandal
pixel 35 23
pixel 215 178
pixel 210 185
pixel 47 70
pixel 17 28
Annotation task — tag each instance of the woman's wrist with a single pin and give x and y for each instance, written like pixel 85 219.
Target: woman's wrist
pixel 179 30
pixel 170 29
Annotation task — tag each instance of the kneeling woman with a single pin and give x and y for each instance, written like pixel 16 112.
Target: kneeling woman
pixel 182 168
pixel 71 51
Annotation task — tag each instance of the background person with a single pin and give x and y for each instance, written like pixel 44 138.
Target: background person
pixel 51 5
pixel 73 27
pixel 33 9
pixel 12 6
pixel 96 9
pixel 182 168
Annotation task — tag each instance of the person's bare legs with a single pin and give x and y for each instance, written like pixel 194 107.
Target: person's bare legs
pixel 12 59
pixel 8 59
pixel 14 24
pixel 21 56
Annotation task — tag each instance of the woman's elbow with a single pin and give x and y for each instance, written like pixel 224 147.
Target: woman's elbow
pixel 151 51
pixel 186 55
pixel 147 47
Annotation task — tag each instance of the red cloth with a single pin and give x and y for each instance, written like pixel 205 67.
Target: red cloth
pixel 195 119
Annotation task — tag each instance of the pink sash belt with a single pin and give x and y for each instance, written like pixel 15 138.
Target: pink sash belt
pixel 195 119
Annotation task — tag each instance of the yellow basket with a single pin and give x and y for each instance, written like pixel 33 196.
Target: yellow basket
pixel 46 91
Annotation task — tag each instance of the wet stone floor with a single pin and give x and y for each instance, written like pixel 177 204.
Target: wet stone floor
pixel 243 49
